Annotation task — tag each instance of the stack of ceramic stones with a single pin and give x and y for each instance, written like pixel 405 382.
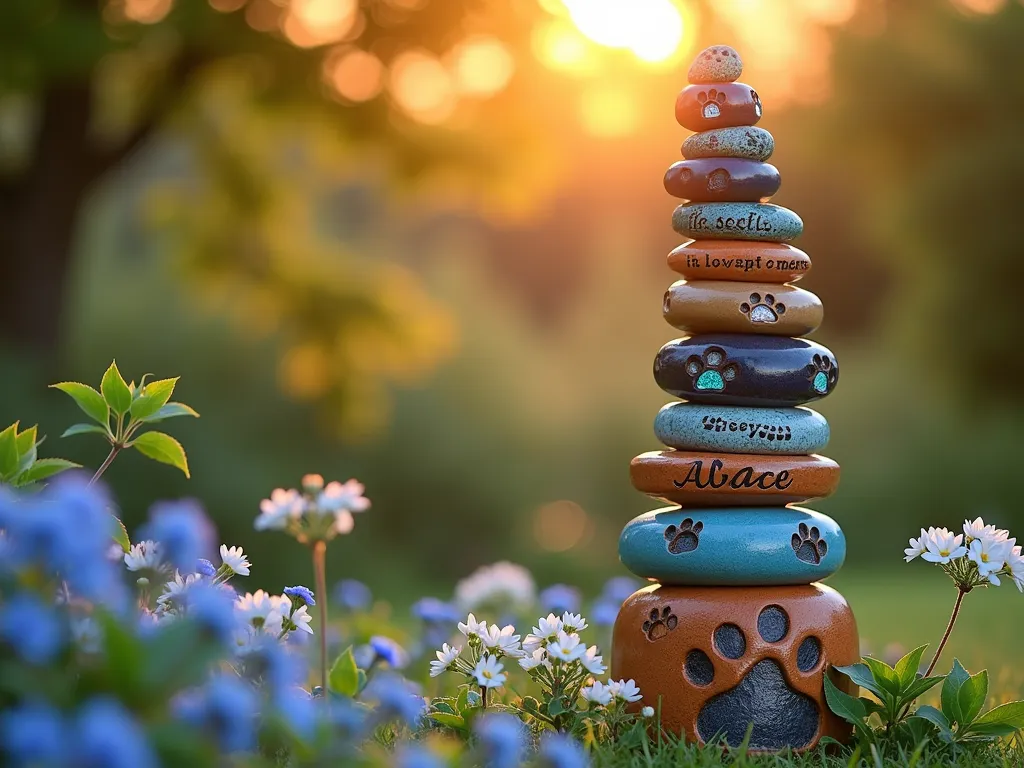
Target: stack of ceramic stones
pixel 736 633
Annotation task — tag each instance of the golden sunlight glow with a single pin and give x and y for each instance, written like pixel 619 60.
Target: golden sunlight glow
pixel 560 525
pixel 147 11
pixel 315 22
pixel 651 29
pixel 984 7
pixel 422 86
pixel 482 66
pixel 608 111
pixel 562 46
pixel 356 75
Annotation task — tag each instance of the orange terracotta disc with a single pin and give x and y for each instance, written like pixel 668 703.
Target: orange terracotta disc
pixel 723 306
pixel 750 261
pixel 693 479
pixel 713 660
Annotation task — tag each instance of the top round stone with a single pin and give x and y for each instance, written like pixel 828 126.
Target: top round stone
pixel 717 64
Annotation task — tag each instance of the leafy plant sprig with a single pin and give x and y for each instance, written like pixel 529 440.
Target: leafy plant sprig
pixel 120 410
pixel 960 721
pixel 19 463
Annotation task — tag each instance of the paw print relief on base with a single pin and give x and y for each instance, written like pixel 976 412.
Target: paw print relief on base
pixel 763 310
pixel 684 537
pixel 659 623
pixel 808 544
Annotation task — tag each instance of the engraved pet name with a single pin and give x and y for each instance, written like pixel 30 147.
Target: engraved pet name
pixel 746 265
pixel 754 222
pixel 744 477
pixel 750 429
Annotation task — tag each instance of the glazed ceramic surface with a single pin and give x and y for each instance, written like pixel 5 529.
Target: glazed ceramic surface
pixel 744 369
pixel 717 659
pixel 721 306
pixel 701 479
pixel 735 429
pixel 739 141
pixel 718 105
pixel 742 260
pixel 737 221
pixel 722 179
pixel 734 547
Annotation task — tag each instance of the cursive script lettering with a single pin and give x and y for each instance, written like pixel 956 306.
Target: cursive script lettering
pixel 745 477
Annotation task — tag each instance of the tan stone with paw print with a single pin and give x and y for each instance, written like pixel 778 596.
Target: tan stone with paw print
pixel 723 306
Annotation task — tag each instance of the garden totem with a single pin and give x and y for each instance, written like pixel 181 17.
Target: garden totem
pixel 736 633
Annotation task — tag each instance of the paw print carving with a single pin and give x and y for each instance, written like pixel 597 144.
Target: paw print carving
pixel 808 544
pixel 718 54
pixel 718 180
pixel 763 310
pixel 659 623
pixel 711 103
pixel 710 371
pixel 757 102
pixel 684 537
pixel 823 373
pixel 762 693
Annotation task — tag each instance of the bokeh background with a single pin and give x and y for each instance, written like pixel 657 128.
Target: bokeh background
pixel 421 243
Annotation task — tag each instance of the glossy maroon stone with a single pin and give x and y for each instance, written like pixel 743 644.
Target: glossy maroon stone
pixel 703 107
pixel 722 179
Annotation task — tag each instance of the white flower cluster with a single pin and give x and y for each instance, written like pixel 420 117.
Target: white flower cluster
pixel 503 583
pixel 978 556
pixel 259 614
pixel 317 512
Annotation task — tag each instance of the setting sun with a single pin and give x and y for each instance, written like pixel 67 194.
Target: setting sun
pixel 651 29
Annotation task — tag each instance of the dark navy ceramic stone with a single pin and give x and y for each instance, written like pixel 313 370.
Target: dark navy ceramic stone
pixel 733 546
pixel 733 429
pixel 722 180
pixel 746 369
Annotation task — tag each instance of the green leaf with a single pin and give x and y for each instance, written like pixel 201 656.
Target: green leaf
pixel 120 534
pixel 115 391
pixel 9 452
pixel 971 697
pixel 846 706
pixel 936 718
pixel 990 731
pixel 163 448
pixel 452 721
pixel 171 410
pixel 26 442
pixel 884 675
pixel 951 689
pixel 344 674
pixel 861 675
pixel 88 399
pixel 1010 715
pixel 444 704
pixel 906 668
pixel 152 398
pixel 82 429
pixel 44 468
pixel 919 687
pixel 556 706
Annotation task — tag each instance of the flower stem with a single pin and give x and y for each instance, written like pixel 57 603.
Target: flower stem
pixel 114 450
pixel 483 697
pixel 949 628
pixel 320 572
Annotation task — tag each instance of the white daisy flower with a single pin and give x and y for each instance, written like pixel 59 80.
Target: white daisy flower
pixel 175 590
pixel 502 640
pixel 647 711
pixel 917 546
pixel 1015 565
pixel 566 648
pixel 592 661
pixel 537 658
pixel 234 558
pixel 472 627
pixel 489 673
pixel 625 690
pixel 144 556
pixel 300 618
pixel 445 657
pixel 502 583
pixel 598 693
pixel 255 606
pixel 281 508
pixel 573 622
pixel 990 555
pixel 977 529
pixel 547 629
pixel 343 522
pixel 942 546
pixel 336 497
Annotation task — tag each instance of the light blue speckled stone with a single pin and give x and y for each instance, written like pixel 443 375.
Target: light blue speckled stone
pixel 737 221
pixel 736 429
pixel 732 546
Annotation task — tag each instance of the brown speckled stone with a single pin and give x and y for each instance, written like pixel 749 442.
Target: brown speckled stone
pixel 696 479
pixel 739 260
pixel 710 306
pixel 715 659
pixel 717 64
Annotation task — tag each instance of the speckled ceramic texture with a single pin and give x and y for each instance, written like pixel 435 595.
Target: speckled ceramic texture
pixel 704 479
pixel 738 141
pixel 716 64
pixel 732 547
pixel 718 105
pixel 740 260
pixel 737 221
pixel 712 306
pixel 722 179
pixel 713 660
pixel 734 429
pixel 744 369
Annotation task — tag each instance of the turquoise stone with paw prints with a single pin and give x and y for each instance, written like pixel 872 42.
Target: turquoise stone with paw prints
pixel 735 429
pixel 733 546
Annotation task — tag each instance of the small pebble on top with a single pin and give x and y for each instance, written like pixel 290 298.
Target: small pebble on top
pixel 717 64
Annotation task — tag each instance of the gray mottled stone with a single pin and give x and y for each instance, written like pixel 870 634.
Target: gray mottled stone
pixel 746 141
pixel 737 221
